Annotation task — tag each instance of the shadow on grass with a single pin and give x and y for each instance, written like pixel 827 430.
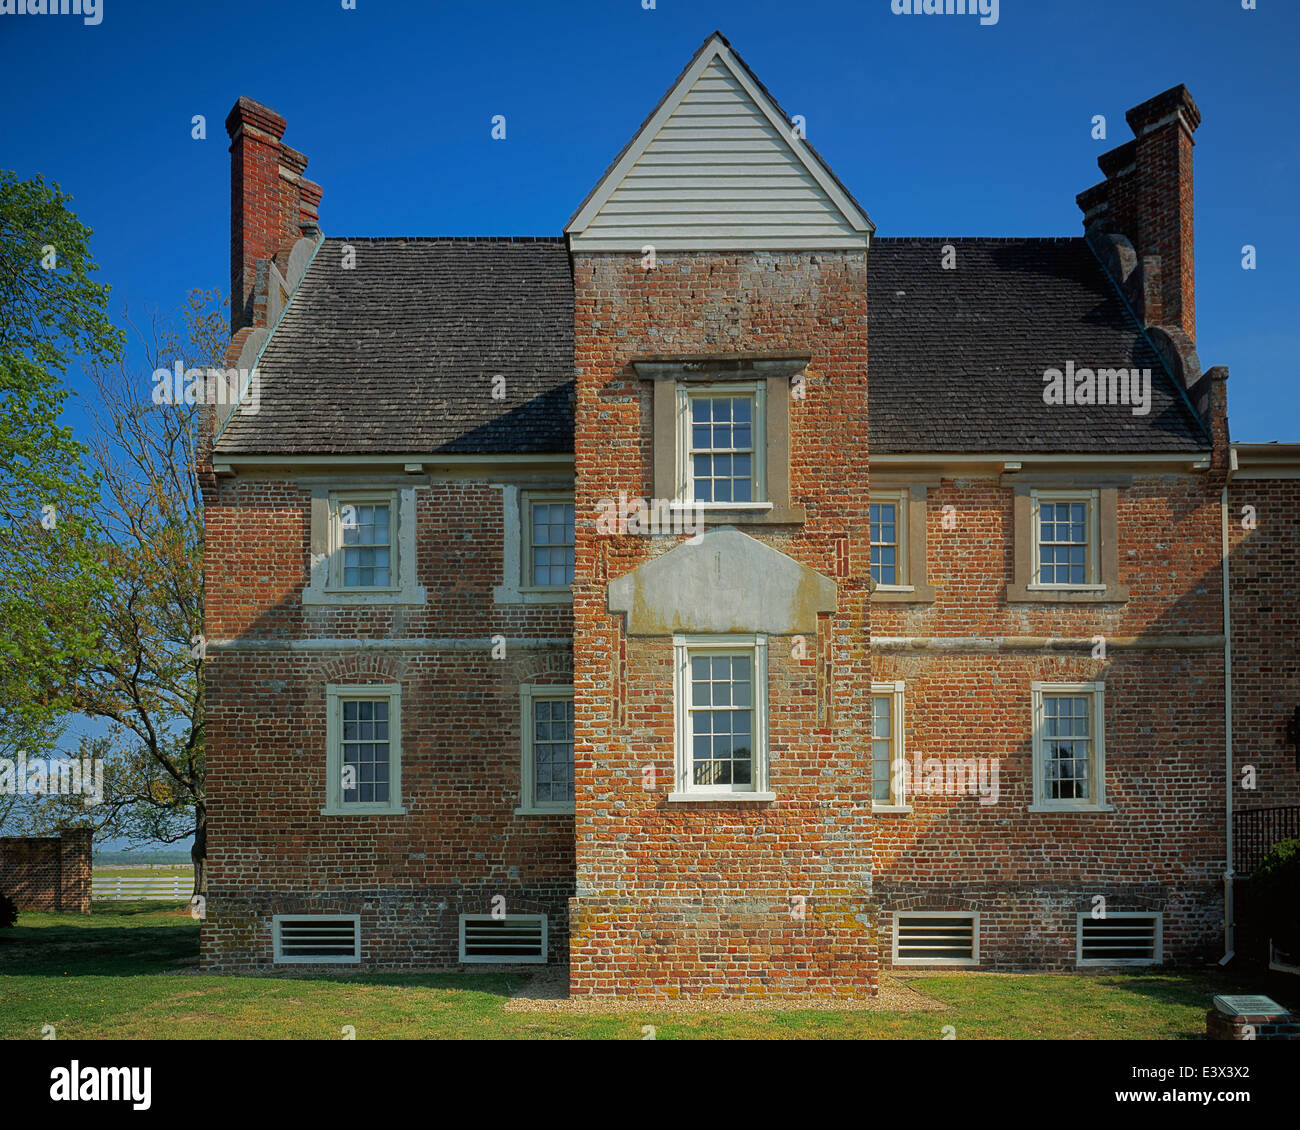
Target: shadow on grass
pixel 121 940
pixel 1197 989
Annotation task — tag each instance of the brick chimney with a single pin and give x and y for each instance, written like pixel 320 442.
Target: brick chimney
pixel 1147 199
pixel 272 206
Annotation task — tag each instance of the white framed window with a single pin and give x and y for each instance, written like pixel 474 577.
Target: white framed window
pixel 363 546
pixel 888 761
pixel 1069 747
pixel 513 939
pixel 363 733
pixel 1122 937
pixel 720 713
pixel 888 520
pixel 547 540
pixel 936 937
pixel 363 542
pixel 546 741
pixel 721 444
pixel 300 939
pixel 1066 540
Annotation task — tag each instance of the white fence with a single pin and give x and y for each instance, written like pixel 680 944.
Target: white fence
pixel 169 887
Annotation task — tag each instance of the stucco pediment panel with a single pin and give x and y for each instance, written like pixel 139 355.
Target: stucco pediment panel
pixel 727 582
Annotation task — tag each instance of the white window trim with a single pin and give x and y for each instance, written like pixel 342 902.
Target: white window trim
pixel 279 958
pixel 326 580
pixel 1159 946
pixel 528 805
pixel 1093 564
pixel 684 646
pixel 898 499
pixel 966 962
pixel 898 759
pixel 688 390
pixel 1098 761
pixel 512 590
pixel 335 695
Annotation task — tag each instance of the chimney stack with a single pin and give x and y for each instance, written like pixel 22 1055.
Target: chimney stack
pixel 1147 198
pixel 272 206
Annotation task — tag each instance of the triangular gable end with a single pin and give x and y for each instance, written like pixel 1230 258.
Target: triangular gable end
pixel 718 166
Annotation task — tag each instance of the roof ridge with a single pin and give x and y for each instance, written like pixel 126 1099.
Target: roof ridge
pixel 978 239
pixel 445 238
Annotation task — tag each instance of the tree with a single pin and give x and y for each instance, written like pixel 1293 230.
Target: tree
pixel 148 679
pixel 50 574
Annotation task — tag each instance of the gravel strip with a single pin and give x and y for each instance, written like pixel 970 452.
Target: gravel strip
pixel 548 991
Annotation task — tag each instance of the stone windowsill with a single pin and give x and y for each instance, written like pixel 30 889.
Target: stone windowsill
pixel 719 798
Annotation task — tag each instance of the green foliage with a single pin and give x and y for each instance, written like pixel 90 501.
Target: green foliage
pixel 48 313
pixel 51 572
pixel 8 912
pixel 1275 896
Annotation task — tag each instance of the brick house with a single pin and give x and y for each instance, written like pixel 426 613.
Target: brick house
pixel 719 597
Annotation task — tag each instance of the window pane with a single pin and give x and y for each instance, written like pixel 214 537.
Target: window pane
pixel 551 543
pixel 553 750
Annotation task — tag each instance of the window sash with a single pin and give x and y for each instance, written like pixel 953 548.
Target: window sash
pixel 887 554
pixel 754 450
pixel 363 550
pixel 737 710
pixel 551 556
pixel 1066 553
pixel 719 727
pixel 1069 746
pixel 552 746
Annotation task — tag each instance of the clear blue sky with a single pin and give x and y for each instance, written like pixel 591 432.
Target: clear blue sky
pixel 938 125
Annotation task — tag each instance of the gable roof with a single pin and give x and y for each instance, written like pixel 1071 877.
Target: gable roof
pixel 956 357
pixel 397 355
pixel 719 127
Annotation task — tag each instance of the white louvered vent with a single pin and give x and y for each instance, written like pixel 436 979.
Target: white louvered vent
pixel 317 937
pixel 936 938
pixel 1119 939
pixel 517 939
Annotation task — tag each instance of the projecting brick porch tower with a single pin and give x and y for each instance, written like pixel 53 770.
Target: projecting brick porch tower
pixel 764 890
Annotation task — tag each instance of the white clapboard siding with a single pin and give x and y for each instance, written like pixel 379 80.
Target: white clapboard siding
pixel 713 170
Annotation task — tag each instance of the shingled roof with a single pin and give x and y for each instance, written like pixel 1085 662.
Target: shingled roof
pixel 956 357
pixel 398 353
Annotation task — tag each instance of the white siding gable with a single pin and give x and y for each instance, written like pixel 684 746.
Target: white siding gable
pixel 718 168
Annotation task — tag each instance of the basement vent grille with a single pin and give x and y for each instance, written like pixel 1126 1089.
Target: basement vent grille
pixel 1119 939
pixel 317 937
pixel 936 938
pixel 517 939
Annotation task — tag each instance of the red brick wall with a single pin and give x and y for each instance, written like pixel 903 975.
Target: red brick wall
pixel 1264 566
pixel 47 872
pixel 459 843
pixel 696 897
pixel 1030 873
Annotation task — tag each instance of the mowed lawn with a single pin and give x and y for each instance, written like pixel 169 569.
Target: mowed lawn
pixel 126 972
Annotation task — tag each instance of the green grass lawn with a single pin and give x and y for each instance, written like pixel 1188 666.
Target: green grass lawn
pixel 126 972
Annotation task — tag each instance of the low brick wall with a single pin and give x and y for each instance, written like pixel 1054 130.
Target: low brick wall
pixel 1277 1026
pixel 47 872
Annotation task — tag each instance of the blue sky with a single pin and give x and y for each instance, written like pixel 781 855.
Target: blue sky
pixel 940 126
